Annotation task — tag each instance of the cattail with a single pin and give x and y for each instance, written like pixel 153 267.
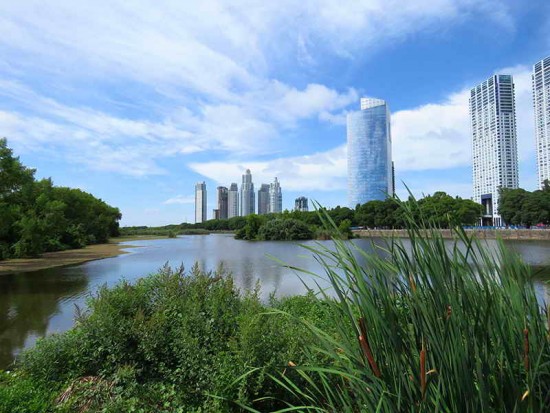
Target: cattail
pixel 363 342
pixel 412 283
pixel 423 369
pixel 449 311
pixel 526 349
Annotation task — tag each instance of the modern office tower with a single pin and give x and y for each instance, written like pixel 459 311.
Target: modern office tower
pixel 222 202
pixel 541 100
pixel 495 157
pixel 200 202
pixel 247 195
pixel 233 201
pixel 369 153
pixel 300 204
pixel 215 214
pixel 263 199
pixel 275 197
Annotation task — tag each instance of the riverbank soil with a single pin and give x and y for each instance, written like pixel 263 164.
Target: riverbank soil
pixel 68 257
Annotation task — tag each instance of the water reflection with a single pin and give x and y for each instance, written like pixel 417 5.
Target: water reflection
pixel 39 303
pixel 28 304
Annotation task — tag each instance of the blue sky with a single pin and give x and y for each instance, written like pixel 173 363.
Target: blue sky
pixel 137 101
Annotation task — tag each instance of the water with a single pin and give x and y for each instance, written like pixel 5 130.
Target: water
pixel 35 304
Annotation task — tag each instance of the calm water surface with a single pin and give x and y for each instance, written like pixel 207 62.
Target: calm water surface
pixel 35 304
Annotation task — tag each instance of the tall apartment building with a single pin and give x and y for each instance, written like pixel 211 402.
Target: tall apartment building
pixel 247 195
pixel 494 142
pixel 222 202
pixel 233 201
pixel 301 204
pixel 200 202
pixel 275 197
pixel 541 100
pixel 370 175
pixel 263 199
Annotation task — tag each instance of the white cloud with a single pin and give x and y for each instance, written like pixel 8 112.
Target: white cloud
pixel 180 199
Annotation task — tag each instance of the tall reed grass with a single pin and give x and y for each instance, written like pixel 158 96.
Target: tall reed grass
pixel 426 326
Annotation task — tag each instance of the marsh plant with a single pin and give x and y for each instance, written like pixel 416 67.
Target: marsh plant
pixel 434 326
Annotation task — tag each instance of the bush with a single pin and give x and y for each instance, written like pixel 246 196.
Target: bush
pixel 284 230
pixel 169 342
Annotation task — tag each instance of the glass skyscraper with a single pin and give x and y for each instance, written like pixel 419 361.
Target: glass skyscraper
pixel 200 202
pixel 233 201
pixel 275 197
pixel 222 202
pixel 494 143
pixel 541 100
pixel 369 153
pixel 247 195
pixel 263 199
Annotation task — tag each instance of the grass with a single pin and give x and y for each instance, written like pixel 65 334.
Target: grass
pixel 431 327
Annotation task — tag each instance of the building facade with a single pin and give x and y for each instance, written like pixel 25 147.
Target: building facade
pixel 200 202
pixel 275 197
pixel 247 195
pixel 263 199
pixel 541 100
pixel 370 174
pixel 301 204
pixel 494 143
pixel 222 202
pixel 233 201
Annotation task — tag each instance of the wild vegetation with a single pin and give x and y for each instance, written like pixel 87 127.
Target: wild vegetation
pixel 521 207
pixel 430 327
pixel 36 216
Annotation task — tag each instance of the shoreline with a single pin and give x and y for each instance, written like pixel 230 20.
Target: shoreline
pixel 55 259
pixel 504 234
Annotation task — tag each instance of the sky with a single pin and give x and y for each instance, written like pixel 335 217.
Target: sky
pixel 136 101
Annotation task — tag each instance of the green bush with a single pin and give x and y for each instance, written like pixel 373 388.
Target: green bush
pixel 173 341
pixel 284 230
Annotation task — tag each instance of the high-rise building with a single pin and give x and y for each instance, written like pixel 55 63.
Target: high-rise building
pixel 222 202
pixel 369 152
pixel 300 204
pixel 263 199
pixel 200 202
pixel 215 214
pixel 233 201
pixel 541 100
pixel 275 197
pixel 247 195
pixel 494 142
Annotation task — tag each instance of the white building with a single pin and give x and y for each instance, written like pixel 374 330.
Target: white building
pixel 200 202
pixel 494 143
pixel 541 100
pixel 233 201
pixel 247 195
pixel 275 197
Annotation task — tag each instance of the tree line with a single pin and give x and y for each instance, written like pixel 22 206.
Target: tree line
pixel 37 217
pixel 442 209
pixel 521 207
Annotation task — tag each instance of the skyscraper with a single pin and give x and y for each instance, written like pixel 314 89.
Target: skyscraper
pixel 263 199
pixel 495 159
pixel 275 197
pixel 222 202
pixel 233 201
pixel 369 153
pixel 300 204
pixel 247 194
pixel 541 100
pixel 200 202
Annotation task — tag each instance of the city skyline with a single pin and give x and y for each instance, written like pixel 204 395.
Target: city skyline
pixel 137 116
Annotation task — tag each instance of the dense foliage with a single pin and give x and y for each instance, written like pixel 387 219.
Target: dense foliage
pixel 173 342
pixel 36 216
pixel 521 207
